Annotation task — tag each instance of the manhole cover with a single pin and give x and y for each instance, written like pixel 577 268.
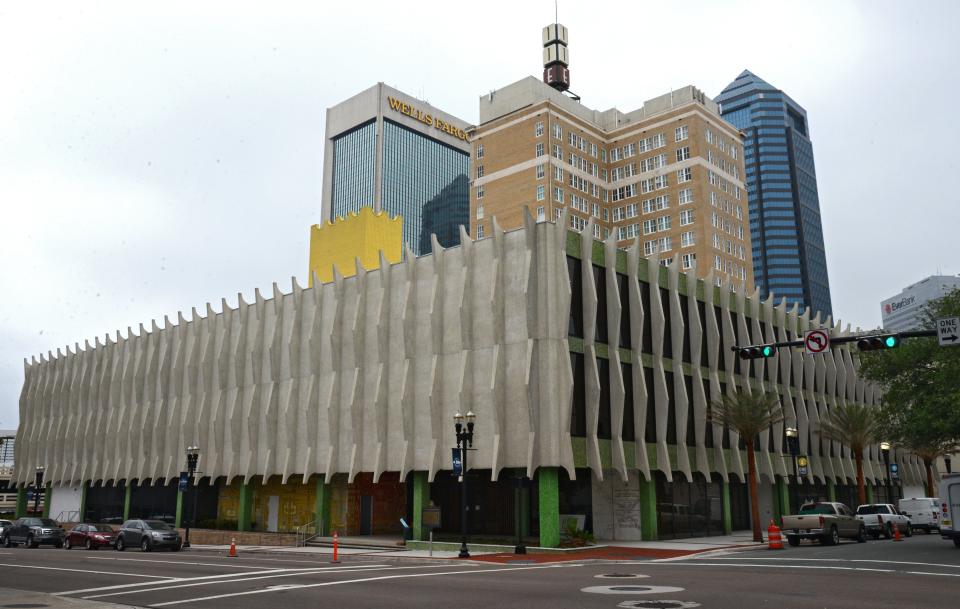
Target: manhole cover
pixel 621 576
pixel 658 605
pixel 631 589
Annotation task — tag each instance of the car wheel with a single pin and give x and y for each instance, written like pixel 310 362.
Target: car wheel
pixel 145 545
pixel 888 531
pixel 67 544
pixel 956 541
pixel 793 540
pixel 88 545
pixel 862 535
pixel 120 546
pixel 177 547
pixel 909 531
pixel 875 534
pixel 59 545
pixel 6 542
pixel 30 543
pixel 832 538
pixel 926 530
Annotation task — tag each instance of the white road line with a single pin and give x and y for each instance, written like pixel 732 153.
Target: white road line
pixel 82 571
pixel 769 566
pixel 177 562
pixel 940 574
pixel 890 562
pixel 362 580
pixel 173 580
pixel 248 579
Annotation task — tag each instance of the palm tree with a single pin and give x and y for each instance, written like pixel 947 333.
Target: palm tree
pixel 856 426
pixel 749 414
pixel 929 452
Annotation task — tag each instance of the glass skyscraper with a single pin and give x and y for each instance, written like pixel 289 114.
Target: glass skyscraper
pixel 400 155
pixel 788 252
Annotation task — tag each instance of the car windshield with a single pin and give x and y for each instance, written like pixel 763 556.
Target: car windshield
pixel 816 508
pixel 157 525
pixel 102 528
pixel 873 509
pixel 46 522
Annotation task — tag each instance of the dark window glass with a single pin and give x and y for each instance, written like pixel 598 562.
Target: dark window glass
pixel 667 336
pixel 647 324
pixel 702 312
pixel 691 431
pixel 708 424
pixel 600 283
pixel 622 287
pixel 576 297
pixel 724 347
pixel 604 426
pixel 578 424
pixel 354 160
pixel 627 432
pixel 650 433
pixel 671 412
pixel 685 316
pixel 726 428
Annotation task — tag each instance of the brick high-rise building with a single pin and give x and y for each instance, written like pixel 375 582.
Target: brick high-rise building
pixel 669 173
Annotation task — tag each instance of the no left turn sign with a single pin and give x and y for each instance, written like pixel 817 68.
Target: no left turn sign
pixel 816 341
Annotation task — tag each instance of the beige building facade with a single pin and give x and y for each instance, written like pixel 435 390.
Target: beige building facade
pixel 670 174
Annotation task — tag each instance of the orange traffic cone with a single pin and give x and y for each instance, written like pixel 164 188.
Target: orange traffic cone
pixel 233 548
pixel 773 535
pixel 896 533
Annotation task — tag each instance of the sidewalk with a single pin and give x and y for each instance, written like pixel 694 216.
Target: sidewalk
pixel 23 598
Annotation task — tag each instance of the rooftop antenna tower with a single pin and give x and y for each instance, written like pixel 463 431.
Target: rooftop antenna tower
pixel 556 60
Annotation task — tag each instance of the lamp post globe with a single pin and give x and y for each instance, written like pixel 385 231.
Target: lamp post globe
pixel 793 445
pixel 885 449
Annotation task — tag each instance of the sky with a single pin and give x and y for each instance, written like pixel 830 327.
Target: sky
pixel 154 159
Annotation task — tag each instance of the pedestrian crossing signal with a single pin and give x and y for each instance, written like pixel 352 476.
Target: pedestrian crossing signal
pixel 875 343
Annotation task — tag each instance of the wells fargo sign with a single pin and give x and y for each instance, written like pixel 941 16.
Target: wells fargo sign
pixel 431 121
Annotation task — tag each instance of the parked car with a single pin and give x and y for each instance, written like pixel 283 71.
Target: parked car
pixel 90 536
pixel 882 519
pixel 3 526
pixel 32 532
pixel 950 508
pixel 823 521
pixel 149 535
pixel 924 512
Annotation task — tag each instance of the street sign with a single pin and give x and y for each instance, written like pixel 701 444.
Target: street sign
pixel 816 341
pixel 431 517
pixel 894 471
pixel 948 331
pixel 457 462
pixel 803 465
pixel 184 482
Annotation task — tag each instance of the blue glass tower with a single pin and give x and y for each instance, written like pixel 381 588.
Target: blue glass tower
pixel 788 253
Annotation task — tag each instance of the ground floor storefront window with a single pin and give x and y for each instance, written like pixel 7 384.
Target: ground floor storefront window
pixel 689 509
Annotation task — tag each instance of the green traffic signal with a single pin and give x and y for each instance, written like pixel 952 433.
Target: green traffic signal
pixel 873 343
pixel 767 350
pixel 891 341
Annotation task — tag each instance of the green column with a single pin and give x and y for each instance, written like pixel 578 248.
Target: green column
pixel 323 505
pixel 727 510
pixel 47 492
pixel 82 517
pixel 179 517
pixel 127 495
pixel 869 493
pixel 784 489
pixel 21 502
pixel 648 510
pixel 831 490
pixel 421 496
pixel 549 495
pixel 245 509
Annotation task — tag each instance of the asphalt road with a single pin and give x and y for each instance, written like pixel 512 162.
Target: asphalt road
pixel 923 571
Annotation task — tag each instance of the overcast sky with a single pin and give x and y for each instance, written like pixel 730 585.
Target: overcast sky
pixel 153 161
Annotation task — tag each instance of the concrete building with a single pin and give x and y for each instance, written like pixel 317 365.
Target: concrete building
pixel 905 310
pixel 399 155
pixel 670 172
pixel 590 370
pixel 789 257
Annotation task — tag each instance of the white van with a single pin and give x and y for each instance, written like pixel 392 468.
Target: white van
pixel 950 508
pixel 924 512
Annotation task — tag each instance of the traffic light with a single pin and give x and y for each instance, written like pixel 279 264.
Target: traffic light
pixel 874 343
pixel 757 352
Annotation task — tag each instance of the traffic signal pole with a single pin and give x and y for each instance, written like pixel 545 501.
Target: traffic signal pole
pixel 866 342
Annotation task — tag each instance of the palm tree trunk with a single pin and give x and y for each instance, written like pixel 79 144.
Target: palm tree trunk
pixel 927 465
pixel 861 487
pixel 754 501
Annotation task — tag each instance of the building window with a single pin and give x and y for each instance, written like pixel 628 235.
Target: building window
pixel 663 223
pixel 558 173
pixel 541 213
pixel 683 153
pixel 684 175
pixel 717 263
pixel 479 171
pixel 688 260
pixel 540 192
pixel 557 131
pixel 686 217
pixel 686 196
pixel 480 192
pixel 540 171
pixel 557 151
pixel 666 261
pixel 681 133
pixel 687 239
pixel 538 129
pixel 557 212
pixel 479 151
pixel 558 195
pixel 540 149
pixel 479 231
pixel 480 212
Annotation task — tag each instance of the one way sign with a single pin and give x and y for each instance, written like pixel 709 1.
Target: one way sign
pixel 948 331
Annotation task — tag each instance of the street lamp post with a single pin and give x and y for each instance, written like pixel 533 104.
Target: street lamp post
pixel 36 489
pixel 193 457
pixel 793 444
pixel 947 463
pixel 885 449
pixel 464 443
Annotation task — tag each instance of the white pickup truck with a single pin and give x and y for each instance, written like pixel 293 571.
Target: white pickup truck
pixel 882 519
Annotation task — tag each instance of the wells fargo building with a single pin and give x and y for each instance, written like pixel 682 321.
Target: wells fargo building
pixel 590 370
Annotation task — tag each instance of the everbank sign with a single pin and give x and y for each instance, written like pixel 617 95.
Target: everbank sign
pixel 892 307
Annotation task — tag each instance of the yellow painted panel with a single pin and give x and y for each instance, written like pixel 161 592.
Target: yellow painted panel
pixel 360 235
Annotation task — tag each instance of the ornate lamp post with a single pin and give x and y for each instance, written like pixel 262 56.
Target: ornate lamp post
pixel 947 463
pixel 464 444
pixel 37 487
pixel 193 457
pixel 885 449
pixel 793 445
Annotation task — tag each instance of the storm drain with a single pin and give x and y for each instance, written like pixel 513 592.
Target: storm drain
pixel 631 589
pixel 621 576
pixel 658 605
